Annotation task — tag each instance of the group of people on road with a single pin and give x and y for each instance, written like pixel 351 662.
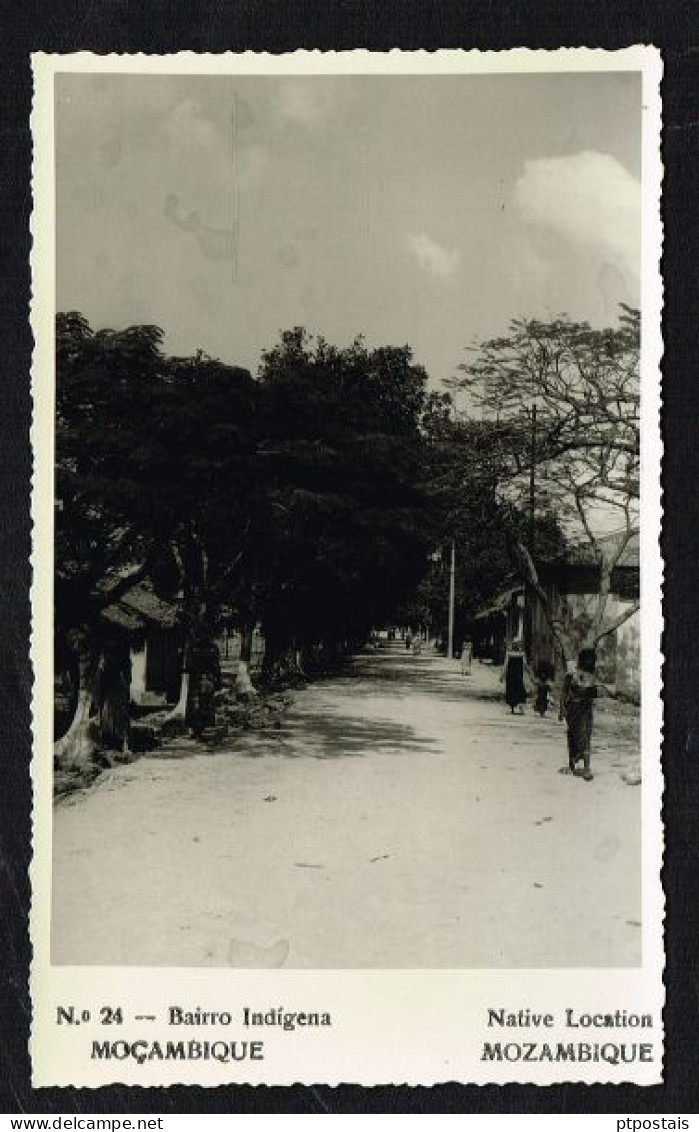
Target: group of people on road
pixel 578 693
pixel 413 643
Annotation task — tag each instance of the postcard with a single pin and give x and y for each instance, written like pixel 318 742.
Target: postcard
pixel 347 583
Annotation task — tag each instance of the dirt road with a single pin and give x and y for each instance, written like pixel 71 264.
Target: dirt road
pixel 400 817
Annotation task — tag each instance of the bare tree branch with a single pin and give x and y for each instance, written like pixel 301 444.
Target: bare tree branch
pixel 624 616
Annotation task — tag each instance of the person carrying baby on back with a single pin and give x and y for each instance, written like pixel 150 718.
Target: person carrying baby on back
pixel 580 689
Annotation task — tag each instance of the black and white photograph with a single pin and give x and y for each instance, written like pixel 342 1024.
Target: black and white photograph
pixel 350 615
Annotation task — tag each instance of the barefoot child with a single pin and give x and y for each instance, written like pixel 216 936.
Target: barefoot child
pixel 544 680
pixel 465 658
pixel 577 696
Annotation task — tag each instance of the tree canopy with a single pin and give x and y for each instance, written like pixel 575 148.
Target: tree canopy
pixel 311 499
pixel 561 403
pixel 297 500
pixel 584 384
pixel 345 529
pixel 144 446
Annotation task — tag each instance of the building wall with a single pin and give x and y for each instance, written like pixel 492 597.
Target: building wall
pixel 539 641
pixel 230 648
pixel 628 651
pixel 515 618
pixel 578 611
pixel 139 657
pixel 618 654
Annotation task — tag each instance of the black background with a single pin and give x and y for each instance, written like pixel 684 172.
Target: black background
pixel 284 25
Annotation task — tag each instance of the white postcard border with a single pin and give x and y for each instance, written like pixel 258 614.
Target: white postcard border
pixel 413 1027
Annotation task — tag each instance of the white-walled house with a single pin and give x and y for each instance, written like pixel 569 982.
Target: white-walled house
pixel 150 628
pixel 571 583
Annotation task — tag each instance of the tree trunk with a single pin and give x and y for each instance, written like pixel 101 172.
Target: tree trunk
pixel 179 712
pixel 562 639
pixel 77 747
pixel 114 715
pixel 193 566
pixel 279 666
pixel 605 583
pixel 244 686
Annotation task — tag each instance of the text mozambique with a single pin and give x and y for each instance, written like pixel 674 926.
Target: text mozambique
pixel 614 1053
pixel 143 1050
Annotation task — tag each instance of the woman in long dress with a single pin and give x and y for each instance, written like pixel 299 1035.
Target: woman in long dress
pixel 513 678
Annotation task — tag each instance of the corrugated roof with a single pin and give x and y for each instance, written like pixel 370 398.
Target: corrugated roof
pixel 138 607
pixel 489 612
pixel 145 602
pixel 123 618
pixel 500 604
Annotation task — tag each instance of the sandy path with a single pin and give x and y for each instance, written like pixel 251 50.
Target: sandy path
pixel 399 818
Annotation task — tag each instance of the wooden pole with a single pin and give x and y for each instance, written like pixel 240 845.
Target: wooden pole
pixel 531 481
pixel 452 589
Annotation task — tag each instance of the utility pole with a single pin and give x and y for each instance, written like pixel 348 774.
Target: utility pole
pixel 452 588
pixel 532 510
pixel 532 458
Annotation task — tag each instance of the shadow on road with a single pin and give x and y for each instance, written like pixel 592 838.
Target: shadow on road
pixel 405 675
pixel 319 736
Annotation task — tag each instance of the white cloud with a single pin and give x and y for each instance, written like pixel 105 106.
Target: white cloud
pixel 432 257
pixel 590 199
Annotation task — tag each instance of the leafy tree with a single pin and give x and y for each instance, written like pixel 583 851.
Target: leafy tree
pixel 108 515
pixel 584 443
pixel 298 500
pixel 342 533
pixel 465 470
pixel 207 427
pixel 153 465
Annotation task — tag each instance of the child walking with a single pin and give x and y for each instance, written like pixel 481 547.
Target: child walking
pixel 544 680
pixel 577 697
pixel 466 657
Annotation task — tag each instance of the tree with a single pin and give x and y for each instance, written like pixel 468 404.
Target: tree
pixel 153 469
pixel 208 428
pixel 582 446
pixel 108 529
pixel 342 533
pixel 465 472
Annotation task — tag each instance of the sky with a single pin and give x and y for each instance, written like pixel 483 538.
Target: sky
pixel 427 210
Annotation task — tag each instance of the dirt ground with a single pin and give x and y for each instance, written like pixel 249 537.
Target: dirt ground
pixel 398 817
